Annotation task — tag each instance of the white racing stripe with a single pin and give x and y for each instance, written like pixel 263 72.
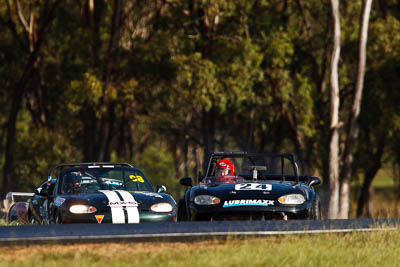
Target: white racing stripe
pixel 133 212
pixel 117 213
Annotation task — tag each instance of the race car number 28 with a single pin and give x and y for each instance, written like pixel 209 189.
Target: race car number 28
pixel 136 178
pixel 253 186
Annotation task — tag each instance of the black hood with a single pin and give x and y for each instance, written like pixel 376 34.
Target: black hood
pixel 101 201
pixel 228 191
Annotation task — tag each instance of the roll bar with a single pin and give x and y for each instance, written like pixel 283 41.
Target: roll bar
pixel 77 164
pixel 243 154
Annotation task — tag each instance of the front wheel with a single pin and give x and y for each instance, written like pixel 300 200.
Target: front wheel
pixel 58 219
pixel 316 208
pixel 32 219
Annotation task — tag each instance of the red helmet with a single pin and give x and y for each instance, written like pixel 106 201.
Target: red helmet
pixel 225 167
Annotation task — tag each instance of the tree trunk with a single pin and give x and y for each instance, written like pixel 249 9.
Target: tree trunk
pixel 89 119
pixel 208 126
pixel 107 121
pixel 364 199
pixel 363 206
pixel 352 133
pixel 186 145
pixel 11 134
pixel 333 202
pixel 298 139
pixel 20 87
pixel 250 134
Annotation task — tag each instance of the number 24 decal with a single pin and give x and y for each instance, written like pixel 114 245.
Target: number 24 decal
pixel 253 186
pixel 136 178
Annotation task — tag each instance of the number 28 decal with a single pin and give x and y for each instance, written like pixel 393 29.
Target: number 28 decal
pixel 136 178
pixel 253 186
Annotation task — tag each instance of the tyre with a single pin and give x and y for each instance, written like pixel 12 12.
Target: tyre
pixel 10 215
pixel 316 208
pixel 182 213
pixel 32 219
pixel 58 219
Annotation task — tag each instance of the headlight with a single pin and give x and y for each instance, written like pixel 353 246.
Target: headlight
pixel 161 207
pixel 293 199
pixel 82 209
pixel 206 200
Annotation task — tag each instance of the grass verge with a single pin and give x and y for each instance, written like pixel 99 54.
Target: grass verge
pixel 352 249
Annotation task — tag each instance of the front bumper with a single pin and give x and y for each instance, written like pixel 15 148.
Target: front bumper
pixel 68 217
pixel 277 212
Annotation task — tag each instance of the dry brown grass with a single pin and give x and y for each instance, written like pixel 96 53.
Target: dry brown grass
pixel 107 252
pixel 353 249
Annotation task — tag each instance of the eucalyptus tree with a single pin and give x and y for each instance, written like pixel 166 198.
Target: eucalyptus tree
pixel 379 127
pixel 29 24
pixel 352 131
pixel 333 206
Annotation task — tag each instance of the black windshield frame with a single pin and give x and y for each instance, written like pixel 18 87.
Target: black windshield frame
pixel 216 156
pixel 106 183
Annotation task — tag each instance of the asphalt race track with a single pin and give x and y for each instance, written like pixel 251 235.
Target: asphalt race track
pixel 181 231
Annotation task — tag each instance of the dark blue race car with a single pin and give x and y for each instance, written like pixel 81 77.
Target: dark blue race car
pixel 250 186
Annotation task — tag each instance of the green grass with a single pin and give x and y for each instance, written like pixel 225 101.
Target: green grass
pixel 383 182
pixel 353 249
pixel 3 222
pixel 384 196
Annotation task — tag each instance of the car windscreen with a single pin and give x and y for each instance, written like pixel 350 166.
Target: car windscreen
pixel 263 167
pixel 91 179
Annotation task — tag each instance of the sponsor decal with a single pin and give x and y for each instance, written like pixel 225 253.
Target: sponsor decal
pixel 99 218
pixel 247 202
pixel 253 186
pixel 133 211
pixel 59 201
pixel 123 204
pixel 119 206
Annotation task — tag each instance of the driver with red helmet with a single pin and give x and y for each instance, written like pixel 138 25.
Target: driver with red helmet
pixel 225 167
pixel 224 174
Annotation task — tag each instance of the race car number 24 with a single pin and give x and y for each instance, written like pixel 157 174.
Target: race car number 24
pixel 253 186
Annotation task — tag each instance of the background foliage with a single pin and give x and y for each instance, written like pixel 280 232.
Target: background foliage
pixel 163 83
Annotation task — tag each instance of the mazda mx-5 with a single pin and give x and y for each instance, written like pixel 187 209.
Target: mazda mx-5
pixel 99 193
pixel 250 186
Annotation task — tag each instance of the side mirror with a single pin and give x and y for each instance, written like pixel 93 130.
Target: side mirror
pixel 42 191
pixel 160 188
pixel 186 181
pixel 314 181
